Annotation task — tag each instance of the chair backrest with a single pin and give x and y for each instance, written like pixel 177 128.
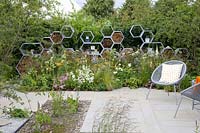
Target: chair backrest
pixel 156 75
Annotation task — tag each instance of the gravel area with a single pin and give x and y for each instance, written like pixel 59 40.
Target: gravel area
pixel 68 122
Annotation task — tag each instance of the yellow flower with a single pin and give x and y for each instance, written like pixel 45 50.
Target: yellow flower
pixel 58 64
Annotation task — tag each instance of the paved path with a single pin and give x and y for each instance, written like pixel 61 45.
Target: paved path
pixel 136 114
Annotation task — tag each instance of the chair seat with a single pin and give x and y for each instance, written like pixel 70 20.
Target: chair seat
pixel 190 93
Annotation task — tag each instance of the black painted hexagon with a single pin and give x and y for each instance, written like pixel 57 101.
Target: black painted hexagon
pixel 136 31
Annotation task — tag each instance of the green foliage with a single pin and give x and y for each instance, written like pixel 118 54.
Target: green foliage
pixel 5 71
pixel 17 113
pixel 134 82
pixel 72 104
pixel 41 118
pixel 146 67
pixel 186 82
pixel 22 22
pixel 99 9
pixel 57 103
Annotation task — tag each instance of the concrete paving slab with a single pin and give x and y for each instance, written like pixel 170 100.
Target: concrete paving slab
pixel 154 115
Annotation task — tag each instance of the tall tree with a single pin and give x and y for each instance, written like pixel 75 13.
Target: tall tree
pixel 99 8
pixel 22 21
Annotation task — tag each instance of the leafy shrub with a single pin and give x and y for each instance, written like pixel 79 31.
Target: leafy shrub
pixel 134 82
pixel 17 113
pixel 72 105
pixel 5 71
pixel 186 82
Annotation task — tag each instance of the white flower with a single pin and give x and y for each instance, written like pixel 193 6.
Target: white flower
pixel 115 72
pixel 129 64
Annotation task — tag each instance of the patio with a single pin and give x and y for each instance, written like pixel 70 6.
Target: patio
pixel 147 116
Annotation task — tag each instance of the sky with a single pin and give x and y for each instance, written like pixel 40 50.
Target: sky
pixel 66 6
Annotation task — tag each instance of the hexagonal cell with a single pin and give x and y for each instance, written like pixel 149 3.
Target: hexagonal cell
pixel 147 36
pixel 46 42
pixel 117 37
pixel 30 49
pixel 24 64
pixel 68 43
pixel 107 42
pixel 47 53
pixel 87 36
pixel 67 31
pixel 136 31
pixel 182 53
pixel 106 53
pixel 126 51
pixel 152 48
pixel 94 48
pixel 56 37
pixel 117 47
pixel 107 30
pixel 167 52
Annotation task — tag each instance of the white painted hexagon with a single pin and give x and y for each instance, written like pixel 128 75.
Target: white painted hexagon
pixel 67 31
pixel 147 36
pixel 31 49
pixel 56 37
pixel 136 31
pixel 117 37
pixel 87 36
pixel 107 30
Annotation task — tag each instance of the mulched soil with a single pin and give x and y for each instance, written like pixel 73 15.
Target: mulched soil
pixel 66 123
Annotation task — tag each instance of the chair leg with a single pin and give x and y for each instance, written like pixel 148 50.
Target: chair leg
pixel 175 94
pixel 178 107
pixel 147 96
pixel 192 104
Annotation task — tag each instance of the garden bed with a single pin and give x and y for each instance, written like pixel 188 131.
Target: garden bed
pixel 67 122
